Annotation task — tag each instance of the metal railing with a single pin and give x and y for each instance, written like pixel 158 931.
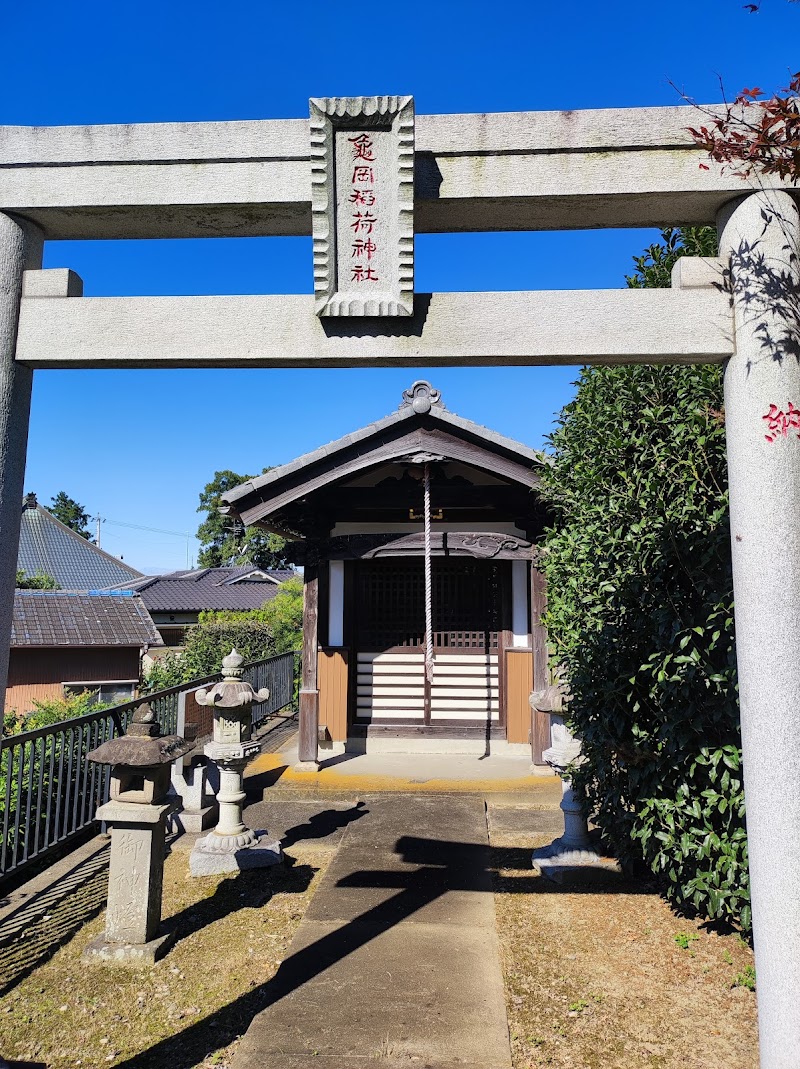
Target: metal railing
pixel 49 792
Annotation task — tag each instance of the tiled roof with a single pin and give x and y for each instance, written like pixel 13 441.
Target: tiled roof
pixel 208 588
pixel 46 545
pixel 437 414
pixel 50 618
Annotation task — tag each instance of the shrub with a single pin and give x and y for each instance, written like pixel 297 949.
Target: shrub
pixel 640 614
pixel 52 711
pixel 39 581
pixel 37 776
pixel 206 644
pixel 284 614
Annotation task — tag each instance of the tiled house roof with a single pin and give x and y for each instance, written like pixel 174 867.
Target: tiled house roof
pixel 48 546
pixel 50 618
pixel 209 588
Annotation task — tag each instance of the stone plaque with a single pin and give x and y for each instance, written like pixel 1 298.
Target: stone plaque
pixel 362 203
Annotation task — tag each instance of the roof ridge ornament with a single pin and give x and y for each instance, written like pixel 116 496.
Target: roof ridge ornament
pixel 422 397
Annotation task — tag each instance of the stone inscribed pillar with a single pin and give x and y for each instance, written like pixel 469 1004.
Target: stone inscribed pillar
pixel 137 813
pixel 362 205
pixel 135 884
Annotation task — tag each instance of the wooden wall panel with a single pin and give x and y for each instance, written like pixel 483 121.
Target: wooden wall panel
pixel 37 674
pixel 332 683
pixel 519 684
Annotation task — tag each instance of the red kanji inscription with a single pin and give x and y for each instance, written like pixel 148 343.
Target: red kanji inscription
pixel 362 173
pixel 778 422
pixel 365 197
pixel 364 273
pixel 363 222
pixel 364 247
pixel 362 147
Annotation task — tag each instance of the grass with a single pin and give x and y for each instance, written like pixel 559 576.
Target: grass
pixel 597 978
pixel 190 1008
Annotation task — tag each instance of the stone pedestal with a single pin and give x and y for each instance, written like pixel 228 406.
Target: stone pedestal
pixel 573 849
pixel 135 882
pixel 232 846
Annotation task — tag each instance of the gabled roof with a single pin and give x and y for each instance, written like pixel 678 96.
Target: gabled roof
pixel 51 618
pixel 46 545
pixel 209 588
pixel 422 424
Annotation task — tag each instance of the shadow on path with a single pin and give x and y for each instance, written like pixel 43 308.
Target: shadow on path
pixel 323 824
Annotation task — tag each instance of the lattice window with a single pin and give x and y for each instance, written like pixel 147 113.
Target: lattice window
pixel 390 604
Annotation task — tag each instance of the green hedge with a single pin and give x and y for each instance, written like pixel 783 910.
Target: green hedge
pixel 640 613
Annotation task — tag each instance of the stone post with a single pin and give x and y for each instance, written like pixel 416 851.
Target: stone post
pixel 232 846
pixel 198 809
pixel 760 241
pixel 20 249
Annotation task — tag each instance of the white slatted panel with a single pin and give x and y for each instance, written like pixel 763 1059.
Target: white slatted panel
pixel 392 686
pixel 466 687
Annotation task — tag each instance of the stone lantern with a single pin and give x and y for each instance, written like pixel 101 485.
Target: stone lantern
pixel 137 813
pixel 232 846
pixel 574 848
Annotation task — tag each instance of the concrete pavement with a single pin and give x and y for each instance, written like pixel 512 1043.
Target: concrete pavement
pixel 396 962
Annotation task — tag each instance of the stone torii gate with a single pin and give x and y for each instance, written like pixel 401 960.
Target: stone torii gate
pixel 521 171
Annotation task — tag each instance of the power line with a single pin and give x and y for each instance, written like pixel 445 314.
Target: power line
pixel 155 530
pixel 140 527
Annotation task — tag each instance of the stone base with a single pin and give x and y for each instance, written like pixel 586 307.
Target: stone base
pixel 101 951
pixel 306 766
pixel 560 858
pixel 542 770
pixel 196 821
pixel 265 852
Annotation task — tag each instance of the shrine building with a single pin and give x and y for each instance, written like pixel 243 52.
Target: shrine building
pixel 418 540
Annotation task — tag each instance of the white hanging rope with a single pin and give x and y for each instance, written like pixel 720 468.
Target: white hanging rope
pixel 428 583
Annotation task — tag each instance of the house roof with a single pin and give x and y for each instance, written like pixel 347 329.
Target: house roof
pixel 47 545
pixel 209 588
pixel 421 424
pixel 53 618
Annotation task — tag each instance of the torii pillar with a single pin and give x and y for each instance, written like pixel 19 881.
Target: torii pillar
pixel 21 246
pixel 760 243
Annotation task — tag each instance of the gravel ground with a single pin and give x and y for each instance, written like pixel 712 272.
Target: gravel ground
pixel 188 1010
pixel 607 976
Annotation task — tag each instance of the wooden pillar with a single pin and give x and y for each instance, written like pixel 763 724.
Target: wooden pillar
pixel 309 692
pixel 540 722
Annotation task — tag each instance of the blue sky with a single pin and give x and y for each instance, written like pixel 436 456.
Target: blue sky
pixel 137 446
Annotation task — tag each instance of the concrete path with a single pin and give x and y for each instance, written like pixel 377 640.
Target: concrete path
pixel 396 963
